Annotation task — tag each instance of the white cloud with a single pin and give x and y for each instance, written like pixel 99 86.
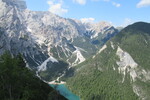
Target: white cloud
pixel 86 20
pixel 113 3
pixel 127 21
pixel 55 6
pixel 116 4
pixel 81 2
pixel 143 3
pixel 50 2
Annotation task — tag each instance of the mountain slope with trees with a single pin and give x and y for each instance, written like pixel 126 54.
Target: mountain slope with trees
pixel 19 83
pixel 119 71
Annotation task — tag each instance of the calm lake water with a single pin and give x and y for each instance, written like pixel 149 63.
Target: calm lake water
pixel 65 92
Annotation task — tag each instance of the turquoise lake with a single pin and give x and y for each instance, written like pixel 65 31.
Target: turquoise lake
pixel 65 92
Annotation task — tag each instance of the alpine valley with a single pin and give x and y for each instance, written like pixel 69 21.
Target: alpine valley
pixel 94 60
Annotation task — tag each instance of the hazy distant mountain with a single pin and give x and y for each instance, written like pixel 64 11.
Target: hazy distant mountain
pixel 119 71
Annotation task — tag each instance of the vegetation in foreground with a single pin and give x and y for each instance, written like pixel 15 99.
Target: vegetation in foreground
pixel 19 83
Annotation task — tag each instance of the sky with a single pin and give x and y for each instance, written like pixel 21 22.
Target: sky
pixel 117 12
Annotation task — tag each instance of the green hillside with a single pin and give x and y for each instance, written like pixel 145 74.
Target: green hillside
pixel 19 83
pixel 99 78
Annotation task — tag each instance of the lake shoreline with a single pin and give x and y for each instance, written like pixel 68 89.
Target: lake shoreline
pixel 57 83
pixel 63 90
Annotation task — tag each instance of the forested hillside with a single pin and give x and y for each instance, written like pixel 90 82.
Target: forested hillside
pixel 19 83
pixel 119 71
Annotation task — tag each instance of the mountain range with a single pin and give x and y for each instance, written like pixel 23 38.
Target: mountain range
pixel 112 63
pixel 43 37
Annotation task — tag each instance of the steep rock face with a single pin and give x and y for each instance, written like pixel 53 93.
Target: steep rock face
pixel 12 26
pixel 39 35
pixel 14 33
pixel 49 26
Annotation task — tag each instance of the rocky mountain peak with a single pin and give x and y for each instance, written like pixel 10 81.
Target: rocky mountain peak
pixel 21 4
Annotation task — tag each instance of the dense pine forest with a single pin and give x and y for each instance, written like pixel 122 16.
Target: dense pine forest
pixel 19 83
